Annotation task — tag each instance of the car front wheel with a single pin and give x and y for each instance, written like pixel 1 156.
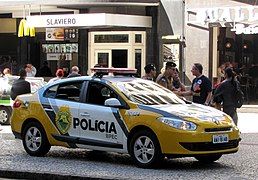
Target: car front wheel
pixel 208 158
pixel 145 149
pixel 34 140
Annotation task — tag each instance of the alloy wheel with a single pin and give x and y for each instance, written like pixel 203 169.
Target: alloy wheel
pixel 144 149
pixel 33 139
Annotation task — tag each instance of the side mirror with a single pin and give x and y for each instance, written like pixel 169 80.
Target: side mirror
pixel 112 102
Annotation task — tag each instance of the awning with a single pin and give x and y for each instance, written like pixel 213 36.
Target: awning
pixel 89 20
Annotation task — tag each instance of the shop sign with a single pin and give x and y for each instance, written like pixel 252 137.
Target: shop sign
pixel 56 56
pixel 227 14
pixel 242 29
pixel 54 34
pixel 88 20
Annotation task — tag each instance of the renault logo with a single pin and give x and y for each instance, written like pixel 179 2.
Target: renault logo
pixel 215 121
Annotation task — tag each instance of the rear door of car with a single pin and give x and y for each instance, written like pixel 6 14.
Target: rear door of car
pixel 62 106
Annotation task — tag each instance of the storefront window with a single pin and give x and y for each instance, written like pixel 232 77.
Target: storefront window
pixel 138 60
pixel 138 38
pixel 111 38
pixel 103 59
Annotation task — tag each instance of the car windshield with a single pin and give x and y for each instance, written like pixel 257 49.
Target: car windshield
pixel 148 93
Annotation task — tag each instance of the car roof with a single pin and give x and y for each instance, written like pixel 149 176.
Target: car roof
pixel 105 78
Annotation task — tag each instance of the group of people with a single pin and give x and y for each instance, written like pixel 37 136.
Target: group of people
pixel 201 88
pixel 21 86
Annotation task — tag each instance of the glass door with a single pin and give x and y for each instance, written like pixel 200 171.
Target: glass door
pixel 103 58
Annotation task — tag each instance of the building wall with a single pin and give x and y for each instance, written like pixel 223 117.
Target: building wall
pixel 198 40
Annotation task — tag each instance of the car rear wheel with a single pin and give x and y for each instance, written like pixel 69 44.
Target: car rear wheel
pixel 34 140
pixel 208 158
pixel 145 149
pixel 5 114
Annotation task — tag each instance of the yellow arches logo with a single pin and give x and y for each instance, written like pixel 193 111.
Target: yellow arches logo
pixel 63 119
pixel 25 29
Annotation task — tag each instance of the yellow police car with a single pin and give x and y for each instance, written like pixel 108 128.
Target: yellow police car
pixel 121 114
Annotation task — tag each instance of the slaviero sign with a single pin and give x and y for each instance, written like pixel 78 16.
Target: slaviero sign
pixel 242 19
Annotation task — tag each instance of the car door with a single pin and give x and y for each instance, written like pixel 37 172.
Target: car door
pixel 62 105
pixel 102 127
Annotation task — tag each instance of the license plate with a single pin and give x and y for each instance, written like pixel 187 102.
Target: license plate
pixel 221 138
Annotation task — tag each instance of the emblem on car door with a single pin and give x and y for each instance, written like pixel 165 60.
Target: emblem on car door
pixel 63 119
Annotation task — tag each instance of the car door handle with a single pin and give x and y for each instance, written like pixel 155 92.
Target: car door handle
pixel 85 114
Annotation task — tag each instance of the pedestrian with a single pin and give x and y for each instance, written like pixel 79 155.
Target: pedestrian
pixel 165 79
pixel 44 71
pixel 31 70
pixel 201 88
pixel 20 86
pixel 74 72
pixel 6 72
pixel 225 94
pixel 59 75
pixel 177 85
pixel 150 72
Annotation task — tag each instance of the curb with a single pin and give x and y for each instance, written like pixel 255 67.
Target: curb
pixel 45 176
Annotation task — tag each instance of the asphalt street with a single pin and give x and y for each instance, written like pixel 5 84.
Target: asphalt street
pixel 63 163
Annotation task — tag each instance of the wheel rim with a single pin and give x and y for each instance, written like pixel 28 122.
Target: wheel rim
pixel 144 149
pixel 33 139
pixel 3 116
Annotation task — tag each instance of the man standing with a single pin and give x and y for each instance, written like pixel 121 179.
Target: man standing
pixel 150 72
pixel 74 72
pixel 165 78
pixel 201 89
pixel 20 86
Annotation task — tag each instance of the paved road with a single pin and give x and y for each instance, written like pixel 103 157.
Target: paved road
pixel 77 163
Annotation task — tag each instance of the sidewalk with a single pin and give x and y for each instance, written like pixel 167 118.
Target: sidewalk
pixel 248 109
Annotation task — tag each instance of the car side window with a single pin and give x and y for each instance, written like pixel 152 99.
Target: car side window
pixel 98 93
pixel 51 92
pixel 69 91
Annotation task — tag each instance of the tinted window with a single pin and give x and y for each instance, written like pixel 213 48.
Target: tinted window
pixel 51 92
pixel 67 91
pixel 98 93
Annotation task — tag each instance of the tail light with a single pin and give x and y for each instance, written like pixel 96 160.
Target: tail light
pixel 17 104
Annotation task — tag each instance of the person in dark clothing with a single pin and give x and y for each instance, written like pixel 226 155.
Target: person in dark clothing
pixel 150 72
pixel 74 72
pixel 201 89
pixel 44 71
pixel 20 86
pixel 225 94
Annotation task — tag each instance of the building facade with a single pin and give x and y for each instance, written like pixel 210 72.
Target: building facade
pixel 117 33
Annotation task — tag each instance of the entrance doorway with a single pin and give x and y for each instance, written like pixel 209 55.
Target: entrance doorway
pixel 119 58
pixel 112 58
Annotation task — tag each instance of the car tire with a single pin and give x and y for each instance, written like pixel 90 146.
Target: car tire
pixel 5 114
pixel 144 149
pixel 34 140
pixel 208 158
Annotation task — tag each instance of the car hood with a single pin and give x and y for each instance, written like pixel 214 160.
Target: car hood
pixel 196 111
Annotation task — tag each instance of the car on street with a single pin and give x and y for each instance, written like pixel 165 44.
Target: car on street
pixel 5 90
pixel 124 114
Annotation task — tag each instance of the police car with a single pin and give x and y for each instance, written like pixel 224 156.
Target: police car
pixel 121 114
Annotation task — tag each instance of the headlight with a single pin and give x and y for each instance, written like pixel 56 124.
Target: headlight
pixel 178 123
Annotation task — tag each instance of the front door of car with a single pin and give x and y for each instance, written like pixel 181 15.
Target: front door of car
pixel 100 125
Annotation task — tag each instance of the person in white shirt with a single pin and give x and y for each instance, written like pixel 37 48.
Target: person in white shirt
pixel 31 70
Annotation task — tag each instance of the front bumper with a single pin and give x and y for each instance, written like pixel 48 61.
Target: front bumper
pixel 198 142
